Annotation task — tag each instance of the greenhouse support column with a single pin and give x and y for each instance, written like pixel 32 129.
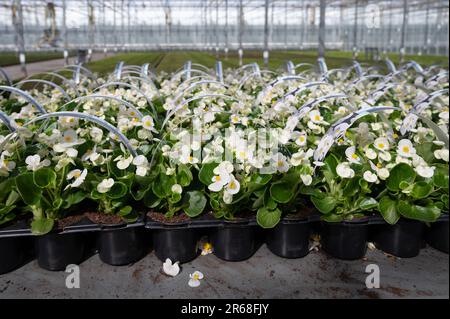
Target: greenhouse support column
pixel 217 29
pixel 128 24
pixel 355 31
pixel 17 17
pixel 426 42
pixel 64 32
pixel 305 18
pixel 389 38
pixel 285 24
pixel 226 29
pixel 403 35
pixel 266 34
pixel 91 27
pixel 114 25
pixel 322 30
pixel 240 31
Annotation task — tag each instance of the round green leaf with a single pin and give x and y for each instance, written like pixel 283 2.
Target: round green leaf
pixel 421 190
pixel 388 210
pixel 268 218
pixel 325 205
pixel 207 173
pixel 282 192
pixel 421 213
pixel 42 226
pixel 118 190
pixel 401 173
pixel 44 177
pixel 28 190
pixel 196 203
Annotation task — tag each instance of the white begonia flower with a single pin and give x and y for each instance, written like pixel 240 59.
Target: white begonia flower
pixel 442 154
pixel 300 138
pixel 405 148
pixel 385 156
pixel 141 163
pixel 370 177
pixel 381 144
pixel 6 165
pixel 96 134
pixel 444 115
pixel 177 189
pixel 306 179
pixel 225 166
pixel 195 278
pixel 376 126
pixel 291 123
pixel 344 170
pixel 425 171
pixel 301 157
pixel 370 153
pixel 280 163
pixel 148 123
pixel 123 162
pixel 79 176
pixel 171 269
pixel 352 157
pixel 234 119
pixel 315 117
pixel 105 185
pixel 34 162
pixel 219 181
pixel 233 186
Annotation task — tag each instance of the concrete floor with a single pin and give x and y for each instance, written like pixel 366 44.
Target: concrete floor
pixel 262 276
pixel 15 71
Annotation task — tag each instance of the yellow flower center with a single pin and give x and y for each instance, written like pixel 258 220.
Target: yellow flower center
pixel 380 145
pixel 77 174
pixel 405 149
pixel 217 178
pixel 72 120
pixel 341 140
pixel 317 118
pixel 68 139
pixel 232 185
pixel 301 138
pixel 135 119
pixel 207 246
pixel 395 135
pixel 280 163
pixel 190 158
pixel 379 165
pixel 354 156
pixel 132 113
pixel 242 154
pixel 148 123
pixel 196 276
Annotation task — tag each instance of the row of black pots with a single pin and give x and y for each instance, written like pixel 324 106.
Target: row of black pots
pixel 231 242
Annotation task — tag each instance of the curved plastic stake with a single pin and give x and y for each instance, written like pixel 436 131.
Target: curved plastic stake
pixel 195 98
pixel 195 84
pixel 304 87
pixel 97 96
pixel 416 66
pixel 62 78
pixel 131 87
pixel 54 85
pixel 390 65
pixel 338 129
pixel 7 121
pixel 358 68
pixel 322 66
pixel 219 71
pixel 118 70
pixel 5 76
pixel 25 95
pixel 290 68
pixel 89 118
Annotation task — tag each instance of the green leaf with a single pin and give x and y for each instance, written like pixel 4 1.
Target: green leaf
pixel 118 190
pixel 282 192
pixel 352 187
pixel 368 203
pixel 422 213
pixel 42 226
pixel 441 180
pixel 28 190
pixel 421 190
pixel 268 218
pixel 401 173
pixel 388 210
pixel 325 205
pixel 196 203
pixel 207 173
pixel 333 218
pixel 184 175
pixel 124 211
pixel 74 198
pixel 44 177
pixel 13 197
pixel 261 179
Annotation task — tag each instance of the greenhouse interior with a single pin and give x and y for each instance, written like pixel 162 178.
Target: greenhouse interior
pixel 224 149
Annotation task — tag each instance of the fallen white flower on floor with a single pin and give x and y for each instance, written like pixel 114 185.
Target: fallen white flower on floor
pixel 207 248
pixel 171 269
pixel 195 278
pixel 371 246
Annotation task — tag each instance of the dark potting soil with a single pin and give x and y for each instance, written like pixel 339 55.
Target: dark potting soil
pixel 68 221
pixel 104 219
pixel 302 213
pixel 159 217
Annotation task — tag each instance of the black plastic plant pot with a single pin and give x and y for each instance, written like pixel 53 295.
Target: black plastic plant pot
pixel 235 242
pixel 404 239
pixel 12 253
pixel 437 235
pixel 56 251
pixel 177 244
pixel 345 240
pixel 122 246
pixel 290 238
